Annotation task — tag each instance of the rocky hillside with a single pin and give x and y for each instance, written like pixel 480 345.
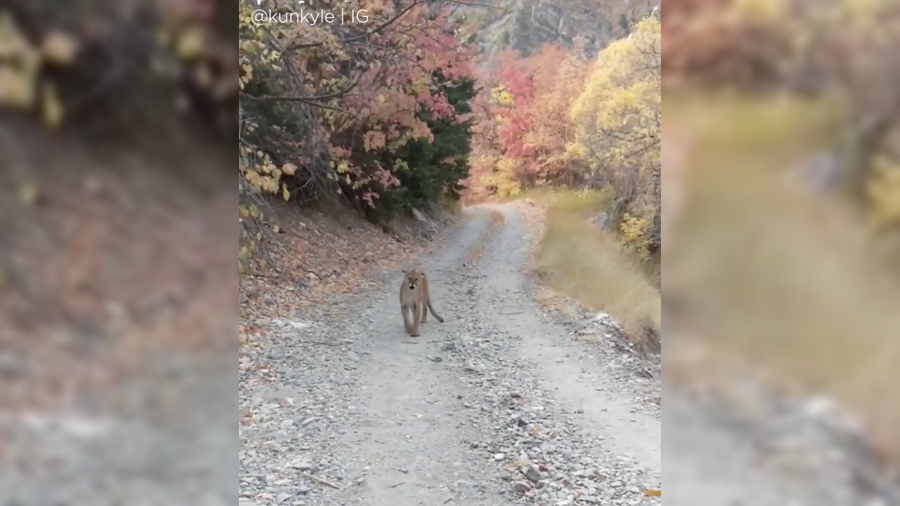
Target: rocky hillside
pixel 525 25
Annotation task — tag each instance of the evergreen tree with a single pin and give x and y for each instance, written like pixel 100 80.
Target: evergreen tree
pixel 434 169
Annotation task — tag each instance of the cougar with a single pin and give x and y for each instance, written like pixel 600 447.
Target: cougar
pixel 414 297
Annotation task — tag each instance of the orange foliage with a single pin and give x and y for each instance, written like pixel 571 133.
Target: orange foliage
pixel 558 78
pixel 530 132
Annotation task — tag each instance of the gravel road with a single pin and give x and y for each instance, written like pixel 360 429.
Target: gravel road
pixel 779 452
pixel 165 441
pixel 501 404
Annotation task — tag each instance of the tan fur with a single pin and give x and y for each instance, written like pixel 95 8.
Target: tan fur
pixel 415 300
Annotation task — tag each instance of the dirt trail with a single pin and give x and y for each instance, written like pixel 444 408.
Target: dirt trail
pixel 497 405
pixel 606 412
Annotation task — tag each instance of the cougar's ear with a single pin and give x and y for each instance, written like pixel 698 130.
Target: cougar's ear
pixel 404 271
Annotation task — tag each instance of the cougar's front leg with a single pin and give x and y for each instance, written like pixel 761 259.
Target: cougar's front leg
pixel 417 314
pixel 404 310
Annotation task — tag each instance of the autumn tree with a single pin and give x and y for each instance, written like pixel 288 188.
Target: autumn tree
pixel 332 108
pixel 526 110
pixel 493 172
pixel 618 128
pixel 429 169
pixel 559 119
pixel 552 130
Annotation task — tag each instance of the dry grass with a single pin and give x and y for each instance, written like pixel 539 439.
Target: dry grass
pixel 789 283
pixel 552 299
pixel 590 265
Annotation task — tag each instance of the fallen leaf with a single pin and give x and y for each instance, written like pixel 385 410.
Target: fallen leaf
pixel 190 44
pixel 28 194
pixel 16 88
pixel 51 107
pixel 59 48
pixel 203 76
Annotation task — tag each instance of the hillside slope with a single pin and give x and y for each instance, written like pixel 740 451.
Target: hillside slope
pixel 526 25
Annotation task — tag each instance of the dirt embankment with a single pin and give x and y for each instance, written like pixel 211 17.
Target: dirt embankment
pixel 324 252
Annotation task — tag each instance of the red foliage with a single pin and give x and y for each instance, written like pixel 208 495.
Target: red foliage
pixel 533 130
pixel 382 111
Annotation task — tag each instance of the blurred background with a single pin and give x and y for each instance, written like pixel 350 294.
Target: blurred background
pixel 781 183
pixel 117 284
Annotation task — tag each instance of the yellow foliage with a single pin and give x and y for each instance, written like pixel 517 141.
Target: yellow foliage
pixel 16 88
pixel 618 127
pixel 503 178
pixel 618 117
pixel 261 174
pixel 500 95
pixel 884 194
pixel 19 68
pixel 190 43
pixel 13 43
pixel 634 234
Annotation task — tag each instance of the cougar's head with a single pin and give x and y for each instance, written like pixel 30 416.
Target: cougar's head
pixel 412 278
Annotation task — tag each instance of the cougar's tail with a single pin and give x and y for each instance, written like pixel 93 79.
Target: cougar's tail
pixel 433 313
